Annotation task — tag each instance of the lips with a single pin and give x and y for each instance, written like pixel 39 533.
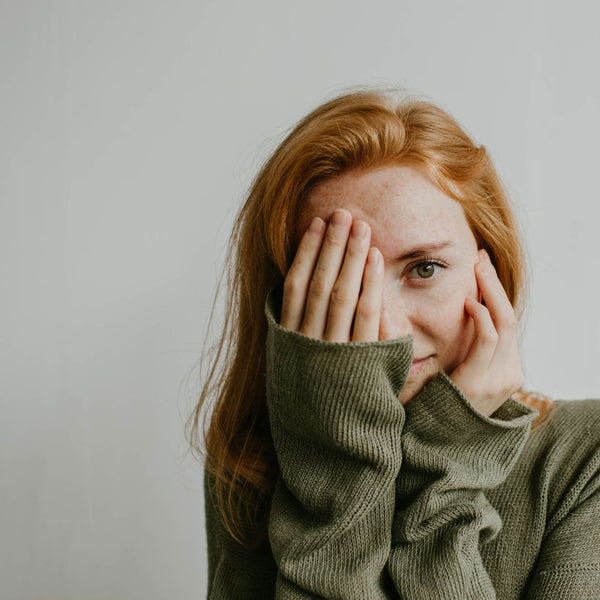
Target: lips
pixel 418 360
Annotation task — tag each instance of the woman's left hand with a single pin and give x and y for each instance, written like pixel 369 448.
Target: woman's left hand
pixel 491 372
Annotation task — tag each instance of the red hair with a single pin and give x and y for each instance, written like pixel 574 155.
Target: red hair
pixel 362 129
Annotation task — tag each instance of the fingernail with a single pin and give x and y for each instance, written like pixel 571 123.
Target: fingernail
pixel 339 217
pixel 359 229
pixel 373 256
pixel 317 225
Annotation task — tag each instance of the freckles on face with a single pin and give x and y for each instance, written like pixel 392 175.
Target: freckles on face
pixel 449 325
pixel 409 214
pixel 442 330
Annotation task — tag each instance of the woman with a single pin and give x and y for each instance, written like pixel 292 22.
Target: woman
pixel 370 437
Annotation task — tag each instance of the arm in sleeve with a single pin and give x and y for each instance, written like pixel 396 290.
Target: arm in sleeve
pixel 336 422
pixel 568 566
pixel 451 455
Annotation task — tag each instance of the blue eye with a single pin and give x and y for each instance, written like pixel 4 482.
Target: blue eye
pixel 426 269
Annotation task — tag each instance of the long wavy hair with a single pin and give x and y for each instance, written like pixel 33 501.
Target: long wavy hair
pixel 359 129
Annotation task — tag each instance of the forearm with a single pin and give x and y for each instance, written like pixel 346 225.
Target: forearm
pixel 336 423
pixel 451 455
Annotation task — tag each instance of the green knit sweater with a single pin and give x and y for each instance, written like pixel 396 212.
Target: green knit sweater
pixel 376 500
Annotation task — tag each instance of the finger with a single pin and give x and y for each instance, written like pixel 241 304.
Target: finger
pixel 368 309
pixel 483 347
pixel 494 294
pixel 499 306
pixel 346 289
pixel 297 280
pixel 325 274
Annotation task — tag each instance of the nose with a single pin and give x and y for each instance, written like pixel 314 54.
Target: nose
pixel 395 320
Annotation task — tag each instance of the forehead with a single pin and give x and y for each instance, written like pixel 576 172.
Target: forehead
pixel 401 203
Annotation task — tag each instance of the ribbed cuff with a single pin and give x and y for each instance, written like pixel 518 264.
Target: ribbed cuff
pixel 442 426
pixel 332 390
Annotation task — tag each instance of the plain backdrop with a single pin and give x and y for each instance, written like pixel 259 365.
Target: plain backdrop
pixel 129 134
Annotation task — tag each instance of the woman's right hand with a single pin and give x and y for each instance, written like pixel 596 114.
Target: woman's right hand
pixel 321 301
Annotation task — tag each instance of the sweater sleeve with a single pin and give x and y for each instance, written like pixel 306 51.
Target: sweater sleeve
pixel 336 422
pixel 452 454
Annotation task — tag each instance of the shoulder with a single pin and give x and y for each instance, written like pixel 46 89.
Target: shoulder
pixel 565 452
pixel 580 419
pixel 571 426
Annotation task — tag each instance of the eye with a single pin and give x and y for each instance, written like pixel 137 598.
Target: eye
pixel 426 269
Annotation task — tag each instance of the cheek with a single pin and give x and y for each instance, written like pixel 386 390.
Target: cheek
pixel 450 326
pixel 463 333
pixel 447 300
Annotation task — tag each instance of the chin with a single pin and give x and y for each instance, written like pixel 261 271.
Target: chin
pixel 415 382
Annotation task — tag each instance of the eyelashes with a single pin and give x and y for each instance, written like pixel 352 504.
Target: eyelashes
pixel 423 269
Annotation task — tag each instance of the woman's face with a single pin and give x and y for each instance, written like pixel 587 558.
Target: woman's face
pixel 429 255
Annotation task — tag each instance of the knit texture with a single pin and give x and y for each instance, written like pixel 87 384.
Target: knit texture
pixel 433 500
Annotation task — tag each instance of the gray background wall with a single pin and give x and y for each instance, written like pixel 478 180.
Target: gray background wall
pixel 129 132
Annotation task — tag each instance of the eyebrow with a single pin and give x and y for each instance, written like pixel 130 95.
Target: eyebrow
pixel 423 250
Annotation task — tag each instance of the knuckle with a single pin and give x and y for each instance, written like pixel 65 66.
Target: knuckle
pixel 340 295
pixel 291 285
pixel 489 337
pixel 318 287
pixel 508 322
pixel 336 240
pixel 366 309
pixel 483 310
